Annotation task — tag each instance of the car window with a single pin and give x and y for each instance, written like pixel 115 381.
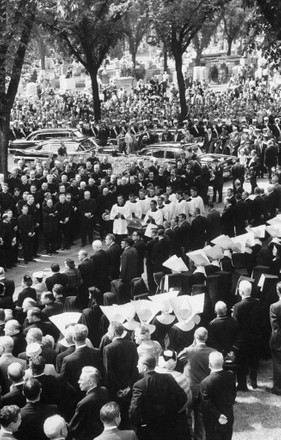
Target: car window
pixel 158 154
pixel 170 155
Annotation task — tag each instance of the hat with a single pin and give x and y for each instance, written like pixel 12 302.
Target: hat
pixel 163 299
pixel 38 275
pixel 146 311
pixel 33 349
pixel 27 278
pixel 63 320
pixel 186 308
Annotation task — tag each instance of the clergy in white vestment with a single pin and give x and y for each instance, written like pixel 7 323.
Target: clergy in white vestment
pixel 120 213
pixel 153 218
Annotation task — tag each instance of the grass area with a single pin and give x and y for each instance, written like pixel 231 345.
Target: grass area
pixel 258 413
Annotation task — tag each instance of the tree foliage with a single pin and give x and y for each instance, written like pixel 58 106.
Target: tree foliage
pixel 176 23
pixel 88 29
pixel 233 17
pixel 16 21
pixel 202 39
pixel 264 30
pixel 136 22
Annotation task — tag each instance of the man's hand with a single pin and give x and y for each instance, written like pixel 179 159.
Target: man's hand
pixel 223 419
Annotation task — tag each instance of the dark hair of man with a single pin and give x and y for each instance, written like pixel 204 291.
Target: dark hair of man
pixel 8 415
pixel 32 389
pixel 37 365
pixel 55 267
pixel 109 412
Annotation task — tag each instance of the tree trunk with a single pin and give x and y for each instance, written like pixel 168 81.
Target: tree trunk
pixel 181 84
pixel 198 57
pixel 165 58
pixel 134 58
pixel 229 45
pixel 4 142
pixel 96 96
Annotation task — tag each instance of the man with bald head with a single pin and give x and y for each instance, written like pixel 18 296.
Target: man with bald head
pixel 248 313
pixel 7 358
pixel 218 394
pixel 13 328
pixel 15 395
pixel 55 428
pixel 99 260
pixel 87 211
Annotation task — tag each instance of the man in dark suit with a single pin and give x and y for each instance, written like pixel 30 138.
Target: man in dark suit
pixel 86 270
pixel 87 210
pixel 198 230
pixel 182 233
pixel 156 402
pixel 13 328
pixel 111 417
pixel 6 359
pixel 129 266
pixel 26 227
pixel 160 251
pixel 15 395
pixel 213 223
pixel 139 245
pixel 113 252
pixel 82 356
pixel 120 360
pixel 34 413
pixel 56 278
pixel 248 313
pixel 99 262
pixel 196 360
pixel 227 218
pixel 218 394
pixel 275 341
pixel 86 424
pixel 270 157
pixel 51 307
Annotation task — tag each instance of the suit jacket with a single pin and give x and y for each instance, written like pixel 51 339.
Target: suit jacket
pixel 33 417
pixel 248 313
pixel 72 364
pixel 120 359
pixel 275 322
pixel 99 267
pixel 117 434
pixel 213 224
pixel 62 355
pixel 183 236
pixel 5 361
pixel 86 424
pixel 196 359
pixel 14 397
pixel 218 392
pixel 129 265
pixel 156 401
pixel 113 253
pixel 87 273
pixel 56 278
pixel 198 232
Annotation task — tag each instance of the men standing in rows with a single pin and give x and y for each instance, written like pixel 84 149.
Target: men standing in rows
pixel 87 210
pixel 218 394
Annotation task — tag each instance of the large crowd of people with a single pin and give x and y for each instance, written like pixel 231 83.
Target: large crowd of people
pixel 108 372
